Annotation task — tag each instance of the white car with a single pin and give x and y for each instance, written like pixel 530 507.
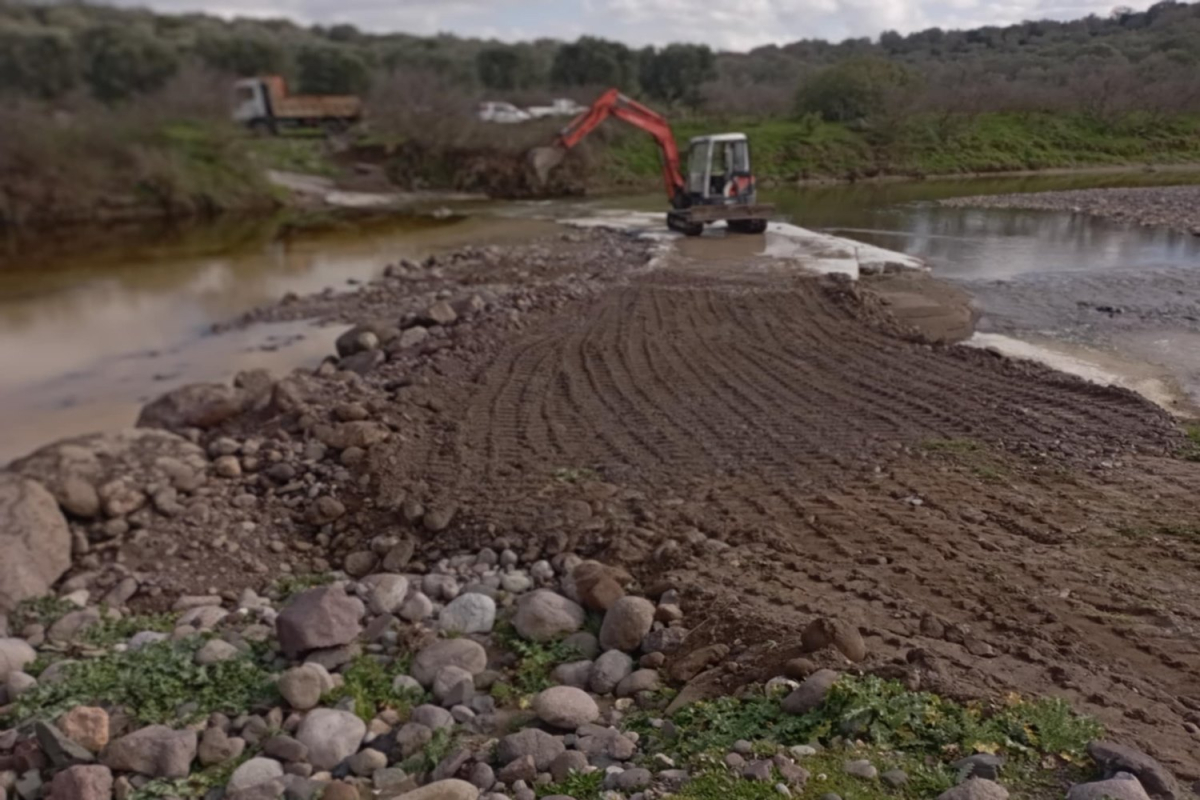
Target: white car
pixel 562 107
pixel 506 113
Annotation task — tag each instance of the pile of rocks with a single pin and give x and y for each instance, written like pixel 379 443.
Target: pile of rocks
pixel 440 734
pixel 445 617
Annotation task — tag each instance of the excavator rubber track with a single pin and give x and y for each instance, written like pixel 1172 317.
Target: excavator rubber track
pixel 741 218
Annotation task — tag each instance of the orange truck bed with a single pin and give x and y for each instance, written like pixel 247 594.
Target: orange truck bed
pixel 312 106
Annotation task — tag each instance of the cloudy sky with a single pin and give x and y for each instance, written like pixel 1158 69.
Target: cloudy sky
pixel 726 24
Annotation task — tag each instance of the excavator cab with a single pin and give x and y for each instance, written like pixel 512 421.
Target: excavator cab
pixel 720 186
pixel 719 170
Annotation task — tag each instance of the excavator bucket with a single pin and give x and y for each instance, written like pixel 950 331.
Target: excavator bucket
pixel 544 160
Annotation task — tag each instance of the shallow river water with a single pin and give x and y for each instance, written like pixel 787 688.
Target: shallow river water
pixel 94 324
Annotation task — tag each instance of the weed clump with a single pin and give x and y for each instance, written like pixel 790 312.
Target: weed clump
pixel 158 683
pixel 867 717
pixel 368 682
pixel 537 661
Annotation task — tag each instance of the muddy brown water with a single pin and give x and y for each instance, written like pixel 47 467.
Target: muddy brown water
pixel 93 325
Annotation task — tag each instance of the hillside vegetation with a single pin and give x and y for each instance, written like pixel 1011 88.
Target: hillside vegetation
pixel 127 109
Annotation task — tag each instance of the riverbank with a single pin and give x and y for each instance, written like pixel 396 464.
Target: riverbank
pixel 1174 207
pixel 127 168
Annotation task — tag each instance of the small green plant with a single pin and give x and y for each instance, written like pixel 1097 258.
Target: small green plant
pixel 108 632
pixel 368 681
pixel 581 786
pixel 575 475
pixel 884 716
pixel 158 683
pixel 431 755
pixel 196 785
pixel 289 586
pixel 504 693
pixel 1191 451
pixel 538 659
pixel 720 784
pixel 43 611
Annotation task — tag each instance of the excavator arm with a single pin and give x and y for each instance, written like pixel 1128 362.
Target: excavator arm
pixel 614 104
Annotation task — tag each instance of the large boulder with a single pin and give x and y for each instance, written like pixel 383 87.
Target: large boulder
pixel 331 736
pixel 565 707
pixel 626 622
pixel 15 654
pixel 530 742
pixel 451 789
pixel 197 405
pixel 1115 758
pixel 87 726
pixel 319 618
pixel 469 613
pixel 75 470
pixel 545 615
pixel 448 653
pixel 1122 786
pixel 155 751
pixel 810 694
pixel 34 539
pixel 83 783
pixel 253 772
pixel 610 668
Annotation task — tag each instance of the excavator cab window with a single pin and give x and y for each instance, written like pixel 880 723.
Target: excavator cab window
pixel 720 169
pixel 698 168
pixel 738 157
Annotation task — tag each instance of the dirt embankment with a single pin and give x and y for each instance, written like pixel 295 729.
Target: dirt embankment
pixel 774 445
pixel 1176 207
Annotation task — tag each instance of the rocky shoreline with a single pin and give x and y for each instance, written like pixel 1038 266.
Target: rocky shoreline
pixel 1174 207
pixel 256 595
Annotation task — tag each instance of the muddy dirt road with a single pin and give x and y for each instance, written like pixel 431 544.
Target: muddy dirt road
pixel 777 447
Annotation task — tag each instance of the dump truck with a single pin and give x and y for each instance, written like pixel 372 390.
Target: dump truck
pixel 263 105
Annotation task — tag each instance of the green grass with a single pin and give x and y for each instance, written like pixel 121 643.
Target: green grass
pixel 368 681
pixel 918 732
pixel 43 611
pixel 581 786
pixel 439 747
pixel 795 149
pixel 287 587
pixel 292 154
pixel 108 632
pixel 159 683
pixel 196 785
pixel 537 661
pixel 1191 451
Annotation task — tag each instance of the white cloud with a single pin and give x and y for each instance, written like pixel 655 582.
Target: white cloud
pixel 726 24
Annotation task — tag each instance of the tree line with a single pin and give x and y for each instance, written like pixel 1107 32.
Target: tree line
pixel 1102 65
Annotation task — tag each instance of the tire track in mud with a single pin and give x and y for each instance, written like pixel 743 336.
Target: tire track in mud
pixel 792 425
pixel 672 378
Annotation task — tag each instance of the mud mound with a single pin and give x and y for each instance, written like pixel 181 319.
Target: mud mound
pixel 495 172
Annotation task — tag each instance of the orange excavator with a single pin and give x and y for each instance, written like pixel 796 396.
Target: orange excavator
pixel 719 185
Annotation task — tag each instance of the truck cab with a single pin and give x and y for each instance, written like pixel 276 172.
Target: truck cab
pixel 251 102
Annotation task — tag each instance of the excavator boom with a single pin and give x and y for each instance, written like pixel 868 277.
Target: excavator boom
pixel 614 104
